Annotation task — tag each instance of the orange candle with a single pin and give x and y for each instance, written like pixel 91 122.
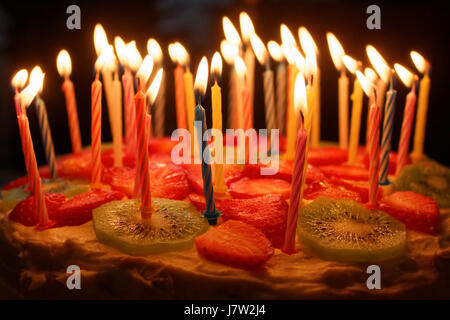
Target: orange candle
pixel 96 131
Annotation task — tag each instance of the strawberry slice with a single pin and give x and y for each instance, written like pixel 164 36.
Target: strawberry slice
pixel 231 173
pixel 168 181
pixel 346 172
pixel 362 187
pixel 78 210
pixel 120 179
pixel 25 212
pixel 76 166
pixel 316 189
pixel 251 188
pixel 392 161
pixel 235 243
pixel 267 213
pixel 283 172
pixel 416 211
pixel 326 156
pixel 198 201
pixel 161 145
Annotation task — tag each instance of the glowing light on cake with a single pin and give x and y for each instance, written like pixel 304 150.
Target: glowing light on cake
pixel 275 51
pixel 336 50
pixel 154 49
pixel 145 70
pixel 100 39
pixel 287 38
pixel 121 50
pixel 246 24
pixel 134 58
pixel 231 34
pixel 260 50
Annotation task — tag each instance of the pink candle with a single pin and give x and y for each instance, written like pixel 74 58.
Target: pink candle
pixel 405 135
pixel 296 191
pixel 374 150
pixel 130 114
pixel 96 131
pixel 142 155
pixel 72 115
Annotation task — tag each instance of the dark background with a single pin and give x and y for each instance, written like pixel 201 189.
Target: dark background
pixel 33 33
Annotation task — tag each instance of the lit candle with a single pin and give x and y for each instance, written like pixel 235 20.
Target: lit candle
pixel 422 104
pixel 311 51
pixel 26 97
pixel 374 141
pixel 64 66
pixel 116 88
pixel 229 53
pixel 201 81
pixel 269 99
pixel 245 115
pixel 44 125
pixel 372 77
pixel 337 52
pixel 357 97
pixel 216 103
pixel 382 68
pixel 409 80
pixel 299 164
pixel 155 51
pixel 247 30
pixel 179 87
pixel 142 76
pixel 277 54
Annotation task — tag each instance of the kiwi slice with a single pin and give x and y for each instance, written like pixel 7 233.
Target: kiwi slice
pixel 428 178
pixel 344 230
pixel 10 198
pixel 173 226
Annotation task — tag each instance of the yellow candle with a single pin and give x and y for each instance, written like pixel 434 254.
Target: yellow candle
pixel 422 105
pixel 357 102
pixel 116 90
pixel 291 116
pixel 315 134
pixel 343 110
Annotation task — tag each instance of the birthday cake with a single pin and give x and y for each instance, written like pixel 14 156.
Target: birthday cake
pixel 133 221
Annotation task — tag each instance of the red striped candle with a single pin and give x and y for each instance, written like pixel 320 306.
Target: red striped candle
pixel 72 115
pixel 130 113
pixel 405 135
pixel 374 150
pixel 96 131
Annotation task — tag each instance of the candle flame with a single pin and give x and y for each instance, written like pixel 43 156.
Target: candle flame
pixel 419 61
pixel 63 63
pixel 286 36
pixel 19 79
pixel 27 95
pixel 230 31
pixel 247 29
pixel 405 75
pixel 153 90
pixel 380 65
pixel 133 57
pixel 370 74
pixel 100 39
pixel 310 64
pixel 240 67
pixel 110 58
pixel 289 53
pixel 351 64
pixel 307 41
pixel 145 70
pixel 300 102
pixel 260 49
pixel 121 50
pixel 201 78
pixel 229 51
pixel 366 85
pixel 336 50
pixel 275 50
pixel 182 54
pixel 216 65
pixel 154 49
pixel 300 62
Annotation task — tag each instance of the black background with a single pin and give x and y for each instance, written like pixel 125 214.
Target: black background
pixel 33 32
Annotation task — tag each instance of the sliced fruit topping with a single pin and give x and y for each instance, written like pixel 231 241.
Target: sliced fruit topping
pixel 78 210
pixel 251 188
pixel 120 179
pixel 345 172
pixel 267 213
pixel 168 181
pixel 161 145
pixel 416 211
pixel 173 226
pixel 76 166
pixel 392 161
pixel 326 156
pixel 198 201
pixel 428 178
pixel 25 212
pixel 235 243
pixel 362 187
pixel 344 230
pixel 316 189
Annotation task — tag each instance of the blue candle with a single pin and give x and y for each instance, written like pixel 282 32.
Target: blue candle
pixel 388 121
pixel 46 136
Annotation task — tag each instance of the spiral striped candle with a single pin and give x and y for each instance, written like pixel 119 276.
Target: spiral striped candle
pixel 142 155
pixel 389 110
pixel 179 97
pixel 72 115
pixel 269 101
pixel 374 151
pixel 405 135
pixel 31 164
pixel 46 134
pixel 296 191
pixel 210 213
pixel 281 97
pixel 130 114
pixel 96 131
